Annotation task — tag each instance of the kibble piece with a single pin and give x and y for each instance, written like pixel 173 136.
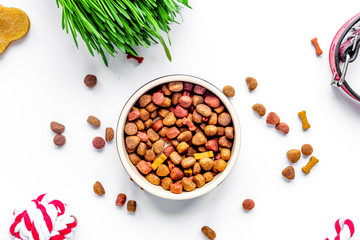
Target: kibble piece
pixel 259 109
pixel 248 204
pixel 163 170
pixel 90 80
pixel 219 165
pixel 145 100
pixel 120 200
pixel 152 178
pixel 224 119
pixel 144 167
pixel 199 139
pixel 176 86
pixel 188 162
pixel 204 110
pixel 131 128
pixel 98 188
pixel 229 91
pixel 309 166
pixel 98 142
pixel 251 82
pixel 57 127
pixel 149 155
pixel 182 147
pixel 188 185
pixel 305 123
pixel 176 188
pixel 208 176
pixel 135 159
pixel 131 142
pixel 59 140
pixel 176 174
pixel 93 121
pixel 208 232
pixel 293 155
pixel 283 127
pixel 131 206
pixel 225 142
pixel 289 173
pixel 109 134
pixel 225 154
pixel 166 183
pixel 199 180
pixel 307 149
pixel 158 161
pixel 206 163
pixel 141 149
pixel 273 118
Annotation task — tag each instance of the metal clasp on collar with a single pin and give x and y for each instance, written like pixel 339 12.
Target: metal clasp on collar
pixel 346 65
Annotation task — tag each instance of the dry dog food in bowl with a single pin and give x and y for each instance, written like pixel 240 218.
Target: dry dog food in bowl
pixel 174 133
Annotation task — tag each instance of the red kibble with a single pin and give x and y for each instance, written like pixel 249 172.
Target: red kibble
pixel 120 200
pixel 59 140
pixel 138 59
pixel 248 204
pixel 98 142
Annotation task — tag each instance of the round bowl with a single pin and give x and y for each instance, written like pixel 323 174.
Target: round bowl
pixel 133 171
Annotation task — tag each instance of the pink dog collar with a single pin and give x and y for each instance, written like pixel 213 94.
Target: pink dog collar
pixel 344 50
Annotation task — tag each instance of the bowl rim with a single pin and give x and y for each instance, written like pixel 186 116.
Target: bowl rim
pixel 131 169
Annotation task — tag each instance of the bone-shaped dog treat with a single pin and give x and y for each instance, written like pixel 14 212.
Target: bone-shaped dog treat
pixel 305 123
pixel 311 163
pixel 14 24
pixel 317 47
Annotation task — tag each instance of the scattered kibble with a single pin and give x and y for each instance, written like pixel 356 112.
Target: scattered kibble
pixel 208 232
pixel 59 140
pixel 293 155
pixel 131 206
pixel 120 200
pixel 314 41
pixel 273 118
pixel 259 109
pixel 248 204
pixel 305 123
pixel 138 59
pixel 90 80
pixel 307 149
pixel 251 83
pixel 282 127
pixel 289 173
pixel 57 127
pixel 98 188
pixel 229 91
pixel 109 134
pixel 310 165
pixel 93 121
pixel 98 142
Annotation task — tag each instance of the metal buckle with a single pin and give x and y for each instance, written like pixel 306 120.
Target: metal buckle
pixel 346 65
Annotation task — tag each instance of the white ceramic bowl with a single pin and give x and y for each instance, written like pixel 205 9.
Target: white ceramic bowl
pixel 133 171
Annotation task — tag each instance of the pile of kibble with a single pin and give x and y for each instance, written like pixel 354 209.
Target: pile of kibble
pixel 179 135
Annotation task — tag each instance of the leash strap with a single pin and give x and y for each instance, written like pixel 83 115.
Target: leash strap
pixel 344 49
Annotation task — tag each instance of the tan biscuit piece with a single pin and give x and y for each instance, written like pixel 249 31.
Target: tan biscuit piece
pixel 14 24
pixel 305 123
pixel 311 163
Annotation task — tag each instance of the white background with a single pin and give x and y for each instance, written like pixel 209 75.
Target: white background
pixel 41 79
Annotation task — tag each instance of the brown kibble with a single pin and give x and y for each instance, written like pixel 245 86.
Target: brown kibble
pixel 120 200
pixel 57 127
pixel 199 180
pixel 289 173
pixel 109 134
pixel 219 165
pixel 145 100
pixel 199 139
pixel 188 185
pixel 132 142
pixel 176 86
pixel 162 170
pixel 182 147
pixel 273 118
pixel 93 121
pixel 229 91
pixel 248 204
pixel 224 119
pixel 90 80
pixel 208 176
pixel 131 206
pixel 176 188
pixel 293 155
pixel 225 142
pixel 225 154
pixel 59 140
pixel 282 127
pixel 251 82
pixel 98 188
pixel 166 183
pixel 208 232
pixel 152 178
pixel 206 163
pixel 307 149
pixel 259 109
pixel 131 128
pixel 135 159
